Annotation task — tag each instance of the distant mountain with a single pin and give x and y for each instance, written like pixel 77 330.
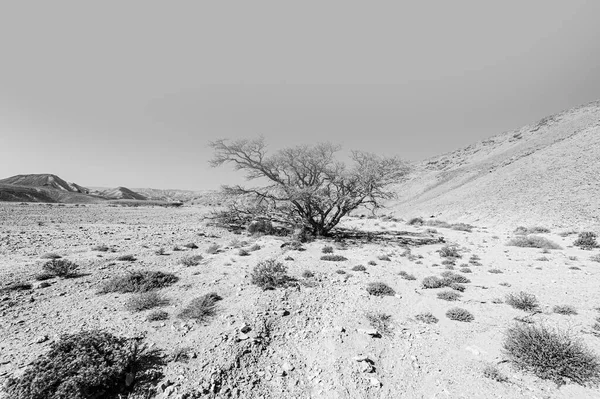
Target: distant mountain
pixel 547 173
pixel 121 193
pixel 45 181
pixel 187 196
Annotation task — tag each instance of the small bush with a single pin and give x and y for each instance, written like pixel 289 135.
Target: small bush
pixel 126 258
pixel 201 308
pixel 586 240
pixel 448 262
pixel 51 255
pixel 307 274
pixel 450 277
pixel 418 221
pixel 255 247
pixel 192 260
pixel 328 249
pixel 43 276
pixel 574 268
pixel 145 301
pixel 334 258
pixel 340 271
pixel 261 226
pixel 542 259
pixel 213 249
pixel 450 251
pixel 551 354
pixel 61 268
pixel 359 268
pixel 157 315
pixel 448 295
pixel 521 230
pixel 459 314
pixel 564 309
pixel 495 271
pixel 243 252
pixel 372 263
pixel 462 227
pixel 176 249
pixel 101 248
pixel 160 251
pixel 407 276
pixel 141 281
pixel 432 282
pixel 465 270
pixel 270 274
pixel 595 258
pixel 522 301
pixel 380 289
pixel 288 258
pixel 457 287
pixel 380 322
pixel 88 364
pixel 191 245
pixel 21 286
pixel 492 372
pixel 533 242
pixel 426 318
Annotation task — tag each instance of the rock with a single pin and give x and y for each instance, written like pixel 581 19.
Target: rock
pixel 41 338
pixel 41 284
pixel 339 329
pixel 245 328
pixel 242 337
pixel 366 367
pixel 283 313
pixel 287 367
pixel 374 382
pixel 162 387
pixel 360 358
pixel 369 331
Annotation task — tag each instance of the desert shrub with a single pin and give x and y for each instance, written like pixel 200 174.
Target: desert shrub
pixel 465 270
pixel 270 274
pixel 295 245
pixel 574 268
pixel 140 281
pixel 157 315
pixel 437 223
pixel 327 249
pixel 380 322
pixel 406 276
pixel 191 245
pixel 160 251
pixel 533 242
pixel 307 274
pixel 288 258
pixel 61 268
pixel 432 282
pixel 450 251
pixel 260 226
pixel 586 240
pixel 462 227
pixel 495 271
pixel 459 314
pixel 88 364
pixel 372 263
pixel 126 258
pixel 101 248
pixel 457 287
pixel 175 249
pixel 20 286
pixel 474 257
pixel 43 276
pixel 595 258
pixel 359 268
pixel 450 277
pixel 50 255
pixel 492 372
pixel 145 301
pixel 543 259
pixel 448 262
pixel 380 289
pixel 340 271
pixel 551 354
pixel 201 308
pixel 243 252
pixel 573 258
pixel 418 221
pixel 448 295
pixel 522 301
pixel 334 258
pixel 564 309
pixel 449 267
pixel 427 318
pixel 522 230
pixel 213 249
pixel 255 247
pixel 192 260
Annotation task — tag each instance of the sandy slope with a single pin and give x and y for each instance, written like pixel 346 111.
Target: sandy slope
pixel 547 173
pixel 303 340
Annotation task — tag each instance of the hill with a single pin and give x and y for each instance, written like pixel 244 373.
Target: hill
pixel 44 181
pixel 121 193
pixel 546 173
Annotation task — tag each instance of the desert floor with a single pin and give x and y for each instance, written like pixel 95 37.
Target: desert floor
pixel 304 341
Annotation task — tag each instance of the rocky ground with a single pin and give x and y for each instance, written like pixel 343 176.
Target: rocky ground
pixel 310 340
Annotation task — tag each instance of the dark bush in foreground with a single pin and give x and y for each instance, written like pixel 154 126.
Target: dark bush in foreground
pixel 145 301
pixel 270 274
pixel 334 258
pixel 533 242
pixel 459 314
pixel 141 281
pixel 522 301
pixel 61 268
pixel 201 308
pixel 427 318
pixel 380 289
pixel 89 364
pixel 586 240
pixel 551 354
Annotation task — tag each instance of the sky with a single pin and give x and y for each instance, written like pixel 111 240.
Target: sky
pixel 130 93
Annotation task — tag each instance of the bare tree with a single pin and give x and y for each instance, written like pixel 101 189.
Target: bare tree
pixel 306 185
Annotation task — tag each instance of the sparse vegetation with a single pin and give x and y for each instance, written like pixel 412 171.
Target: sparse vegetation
pixel 139 281
pixel 126 258
pixel 270 274
pixel 101 248
pixel 192 260
pixel 551 354
pixel 191 245
pixel 372 263
pixel 145 301
pixel 564 310
pixel 465 270
pixel 213 249
pixel 533 242
pixel 61 268
pixel 380 322
pixel 426 318
pixel 448 295
pixel 522 230
pixel 20 286
pixel 491 371
pixel 334 258
pixel 595 258
pixel 255 247
pixel 432 282
pixel 462 227
pixel 157 315
pixel 522 301
pixel 201 308
pixel 88 364
pixel 380 289
pixel 495 271
pixel 417 221
pixel 460 314
pixel 586 240
pixel 450 251
pixel 406 276
pixel 359 268
pixel 307 274
pixel 327 249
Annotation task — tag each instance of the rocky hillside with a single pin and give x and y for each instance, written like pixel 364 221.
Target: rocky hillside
pixel 45 181
pixel 121 193
pixel 546 173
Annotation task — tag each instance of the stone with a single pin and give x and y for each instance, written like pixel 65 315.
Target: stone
pixel 374 382
pixel 361 358
pixel 369 331
pixel 245 328
pixel 41 338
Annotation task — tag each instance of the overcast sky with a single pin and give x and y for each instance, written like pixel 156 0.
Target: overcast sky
pixel 129 93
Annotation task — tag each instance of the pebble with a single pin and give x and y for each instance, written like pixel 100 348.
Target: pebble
pixel 41 338
pixel 369 331
pixel 374 382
